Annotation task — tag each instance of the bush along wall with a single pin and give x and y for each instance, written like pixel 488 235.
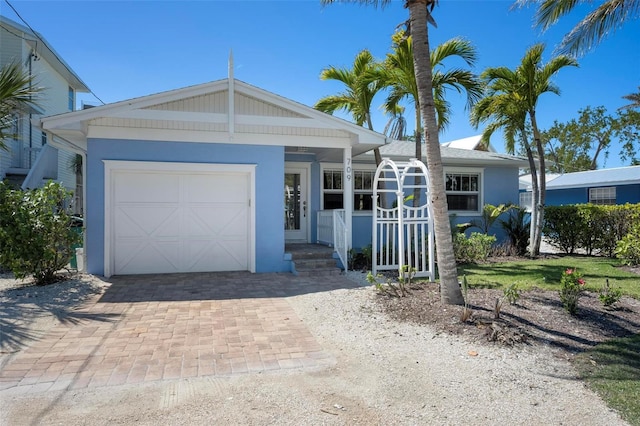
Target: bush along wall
pixel 36 233
pixel 593 228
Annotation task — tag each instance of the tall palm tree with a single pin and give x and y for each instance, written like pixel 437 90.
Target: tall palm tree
pixel 634 98
pixel 362 83
pixel 419 15
pixel 607 17
pixel 16 94
pixel 399 75
pixel 512 98
pixel 502 109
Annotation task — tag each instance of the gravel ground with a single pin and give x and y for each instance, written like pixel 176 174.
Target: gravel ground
pixel 386 373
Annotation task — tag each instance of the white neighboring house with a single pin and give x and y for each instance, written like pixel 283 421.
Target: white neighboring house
pixel 30 161
pixel 470 143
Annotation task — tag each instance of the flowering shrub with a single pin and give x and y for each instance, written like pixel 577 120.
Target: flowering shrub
pixel 572 287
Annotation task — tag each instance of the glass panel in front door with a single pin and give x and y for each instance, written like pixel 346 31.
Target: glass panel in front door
pixel 292 213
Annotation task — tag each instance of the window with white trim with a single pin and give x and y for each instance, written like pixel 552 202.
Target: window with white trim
pixel 526 200
pixel 72 99
pixel 603 195
pixel 332 189
pixel 463 191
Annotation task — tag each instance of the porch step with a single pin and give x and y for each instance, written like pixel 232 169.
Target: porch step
pixel 312 260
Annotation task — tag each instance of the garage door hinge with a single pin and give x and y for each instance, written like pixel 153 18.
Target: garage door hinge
pixel 249 202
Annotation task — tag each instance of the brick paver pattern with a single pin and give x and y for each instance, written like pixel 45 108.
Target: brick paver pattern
pixel 156 327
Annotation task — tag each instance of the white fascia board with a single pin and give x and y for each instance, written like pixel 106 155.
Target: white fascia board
pixel 218 118
pixel 171 135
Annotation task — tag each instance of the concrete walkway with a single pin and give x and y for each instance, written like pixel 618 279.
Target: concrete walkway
pixel 148 328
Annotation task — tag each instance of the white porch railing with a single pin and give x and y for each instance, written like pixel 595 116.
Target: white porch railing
pixel 340 237
pixel 325 227
pixel 332 231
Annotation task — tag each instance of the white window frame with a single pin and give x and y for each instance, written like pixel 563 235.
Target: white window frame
pixel 525 200
pixel 338 167
pixel 480 191
pixel 600 193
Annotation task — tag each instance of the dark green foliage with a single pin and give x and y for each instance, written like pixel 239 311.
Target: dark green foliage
pixel 593 228
pixel 562 227
pixel 628 248
pixel 517 228
pixel 36 235
pixel 476 248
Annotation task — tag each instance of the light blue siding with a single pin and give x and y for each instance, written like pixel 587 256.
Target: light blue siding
pixel 269 238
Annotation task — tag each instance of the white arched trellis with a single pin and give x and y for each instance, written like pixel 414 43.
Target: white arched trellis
pixel 402 232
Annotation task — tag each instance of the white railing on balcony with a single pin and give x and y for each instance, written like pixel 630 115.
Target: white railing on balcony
pixel 340 237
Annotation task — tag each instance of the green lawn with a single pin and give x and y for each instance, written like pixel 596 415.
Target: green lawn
pixel 546 273
pixel 612 369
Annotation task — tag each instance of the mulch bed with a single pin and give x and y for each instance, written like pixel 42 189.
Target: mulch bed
pixel 538 318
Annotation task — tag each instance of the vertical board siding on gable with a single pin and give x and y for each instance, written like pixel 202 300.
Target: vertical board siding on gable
pixel 248 105
pixel 212 102
pixel 269 238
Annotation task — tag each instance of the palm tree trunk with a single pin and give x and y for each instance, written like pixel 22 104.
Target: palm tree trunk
pixel 417 180
pixel 535 195
pixel 535 245
pixel 450 292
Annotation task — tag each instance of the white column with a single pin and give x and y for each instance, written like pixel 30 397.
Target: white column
pixel 347 195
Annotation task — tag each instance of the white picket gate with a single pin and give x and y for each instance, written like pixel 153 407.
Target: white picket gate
pixel 402 231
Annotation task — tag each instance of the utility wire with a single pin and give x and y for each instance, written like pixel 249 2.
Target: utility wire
pixel 35 33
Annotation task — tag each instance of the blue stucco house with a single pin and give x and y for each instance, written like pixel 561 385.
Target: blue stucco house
pixel 606 186
pixel 221 176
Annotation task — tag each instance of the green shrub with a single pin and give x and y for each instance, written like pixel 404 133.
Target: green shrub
pixel 628 248
pixel 608 295
pixel 571 289
pixel 562 227
pixel 517 229
pixel 36 236
pixel 476 248
pixel 589 227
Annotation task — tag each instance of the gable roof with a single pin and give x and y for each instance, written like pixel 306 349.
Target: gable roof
pixel 200 113
pixel 41 47
pixel 471 143
pixel 603 177
pixel 402 150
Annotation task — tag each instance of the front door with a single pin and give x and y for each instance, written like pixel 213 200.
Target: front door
pixel 296 209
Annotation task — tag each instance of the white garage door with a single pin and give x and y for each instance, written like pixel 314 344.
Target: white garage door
pixel 166 221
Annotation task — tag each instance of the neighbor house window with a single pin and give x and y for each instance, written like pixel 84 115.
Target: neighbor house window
pixel 463 191
pixel 43 138
pixel 604 195
pixel 526 200
pixel 72 99
pixel 333 189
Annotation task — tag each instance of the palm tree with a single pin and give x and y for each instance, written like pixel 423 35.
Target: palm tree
pixel 16 94
pixel 512 97
pixel 362 83
pixel 634 98
pixel 399 75
pixel 419 16
pixel 608 16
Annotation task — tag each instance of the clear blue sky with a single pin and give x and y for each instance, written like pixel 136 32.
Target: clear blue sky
pixel 126 49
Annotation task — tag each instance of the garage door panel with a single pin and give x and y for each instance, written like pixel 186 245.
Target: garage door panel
pixel 146 188
pixel 138 220
pixel 180 222
pixel 145 258
pixel 218 219
pixel 221 255
pixel 205 188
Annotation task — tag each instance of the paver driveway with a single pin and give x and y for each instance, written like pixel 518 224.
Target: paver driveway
pixel 147 328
